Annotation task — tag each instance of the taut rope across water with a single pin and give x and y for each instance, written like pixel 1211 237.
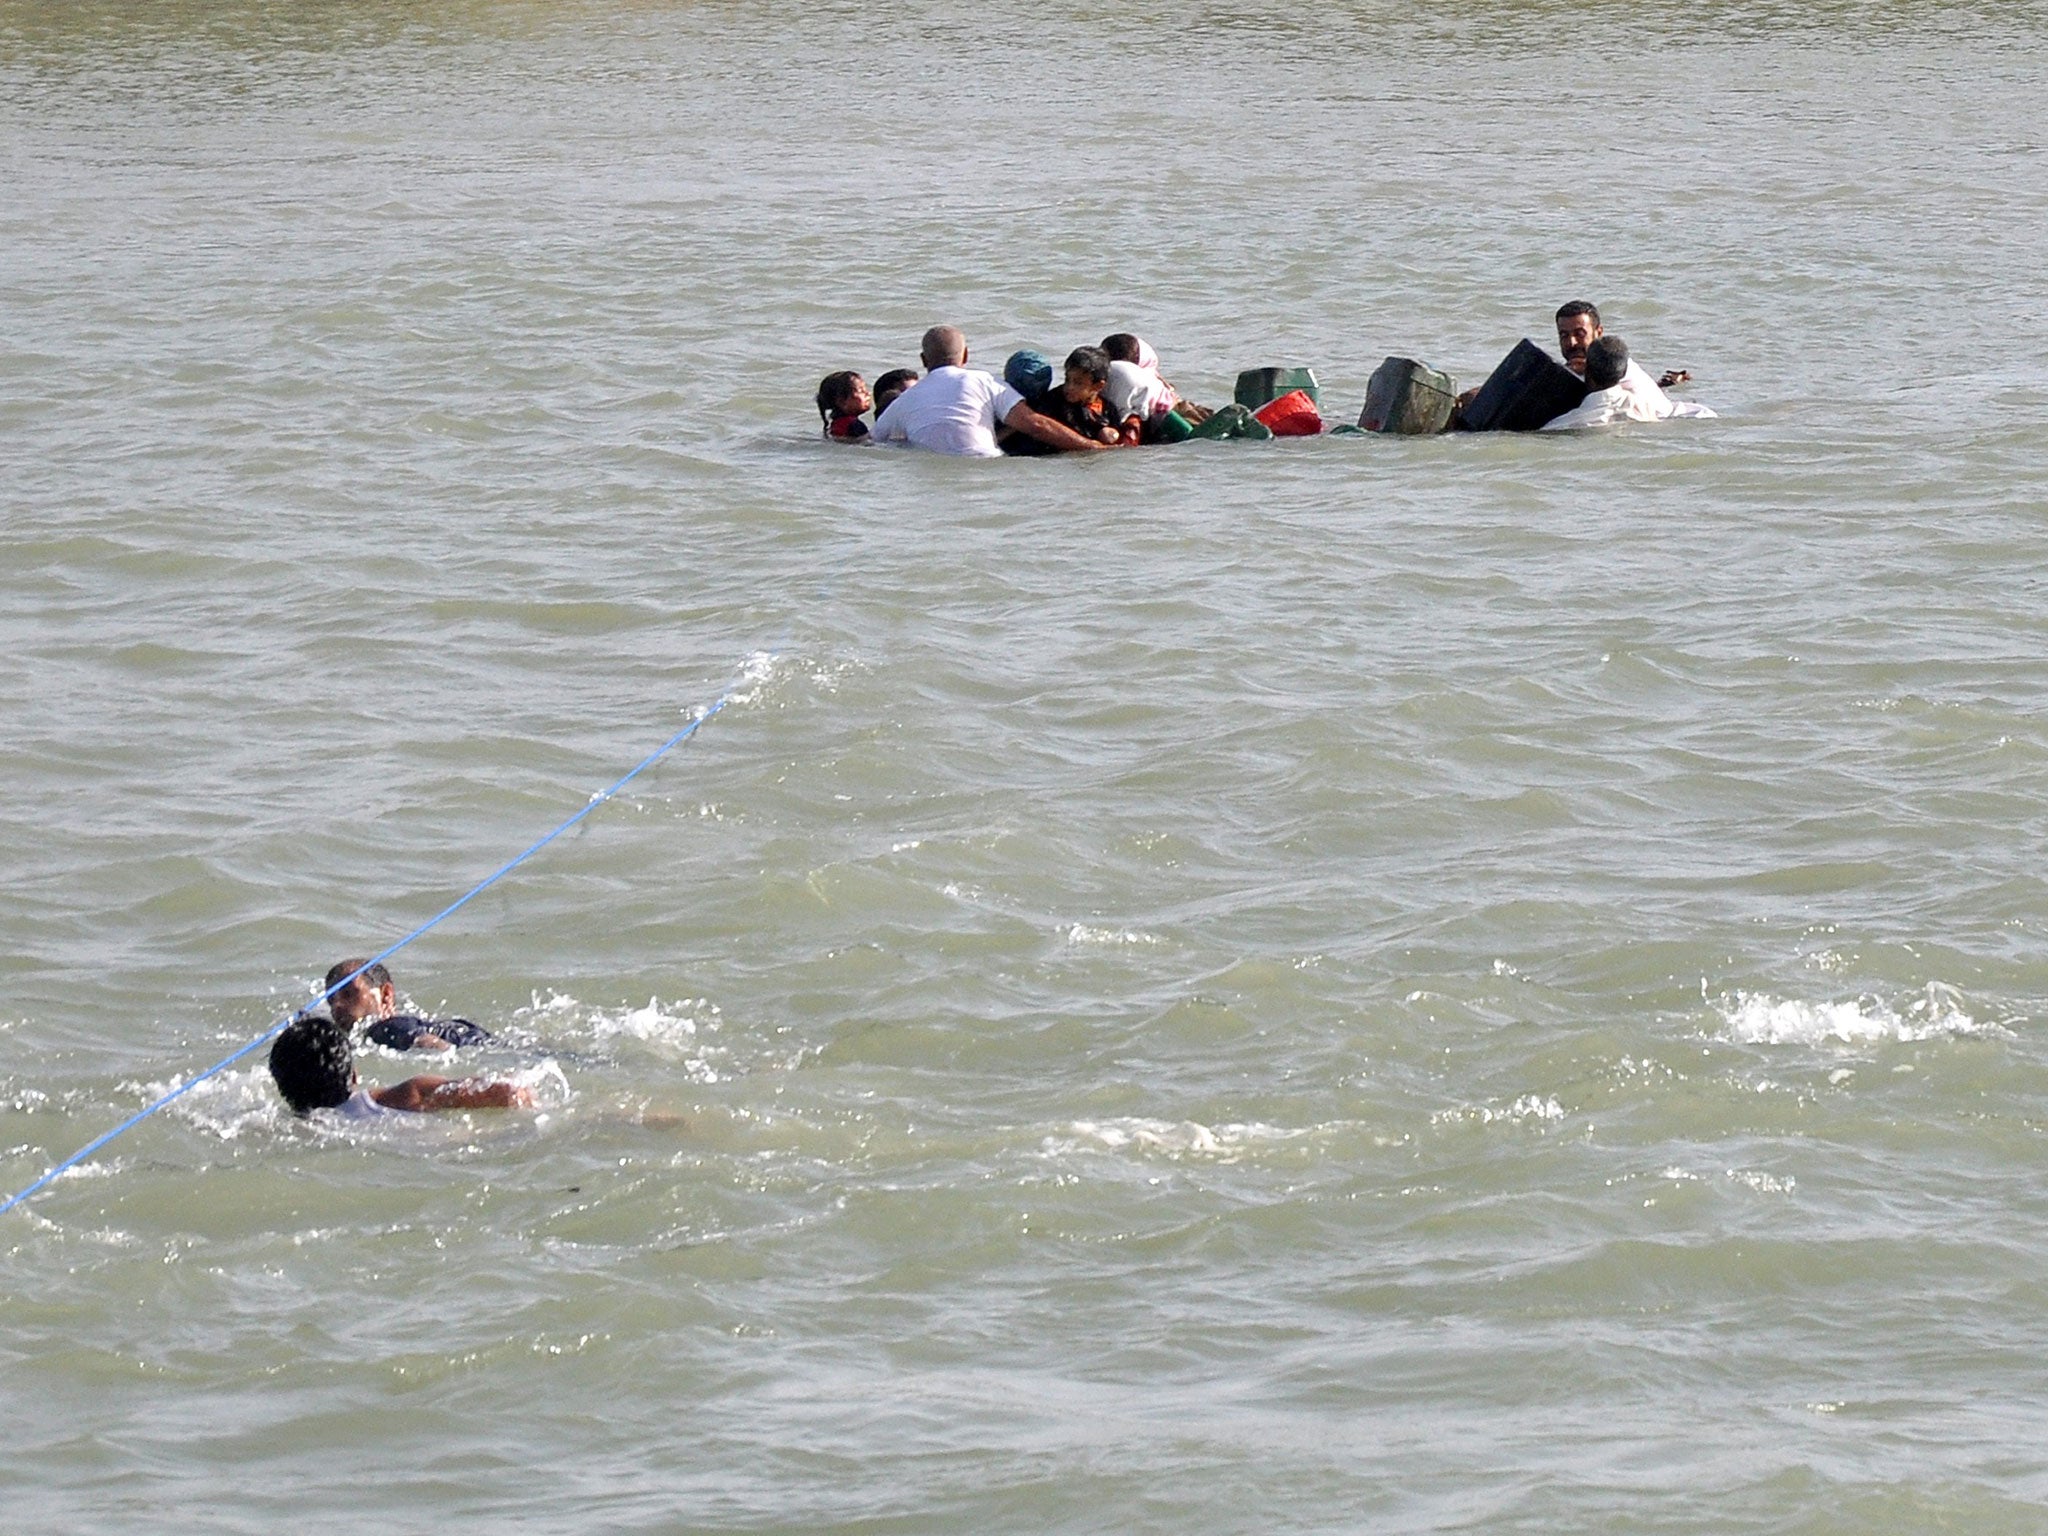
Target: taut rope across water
pixel 596 800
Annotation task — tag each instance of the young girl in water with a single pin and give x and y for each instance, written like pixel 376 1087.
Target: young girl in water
pixel 842 399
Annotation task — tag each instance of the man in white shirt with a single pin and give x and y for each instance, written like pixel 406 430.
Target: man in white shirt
pixel 954 408
pixel 1578 327
pixel 1621 391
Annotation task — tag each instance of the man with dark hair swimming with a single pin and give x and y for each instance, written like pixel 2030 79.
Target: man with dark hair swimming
pixel 1578 327
pixel 313 1065
pixel 372 997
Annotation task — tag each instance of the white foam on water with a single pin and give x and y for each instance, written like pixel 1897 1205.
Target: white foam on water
pixel 755 674
pixel 1749 1178
pixel 550 1086
pixel 91 1170
pixel 1760 1019
pixel 1529 1106
pixel 1763 1183
pixel 1169 1138
pixel 1081 933
pixel 677 1027
pixel 225 1106
pixel 555 1004
pixel 764 671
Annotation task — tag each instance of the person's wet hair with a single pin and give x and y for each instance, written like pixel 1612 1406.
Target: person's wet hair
pixel 1121 347
pixel 892 384
pixel 1578 307
pixel 375 976
pixel 835 391
pixel 1093 361
pixel 313 1065
pixel 1606 362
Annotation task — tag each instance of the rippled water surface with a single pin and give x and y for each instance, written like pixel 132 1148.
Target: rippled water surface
pixel 1480 984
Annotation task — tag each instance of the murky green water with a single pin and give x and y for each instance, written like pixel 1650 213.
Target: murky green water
pixel 1406 986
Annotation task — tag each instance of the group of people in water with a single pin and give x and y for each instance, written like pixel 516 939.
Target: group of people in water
pixel 1105 397
pixel 1114 396
pixel 313 1060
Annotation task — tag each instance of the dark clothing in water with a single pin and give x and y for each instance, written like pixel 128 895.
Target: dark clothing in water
pixel 402 1031
pixel 1084 419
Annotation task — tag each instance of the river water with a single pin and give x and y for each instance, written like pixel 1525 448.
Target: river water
pixel 1482 984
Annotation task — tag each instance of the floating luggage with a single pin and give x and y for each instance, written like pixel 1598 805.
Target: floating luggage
pixel 1169 428
pixel 1406 398
pixel 1294 414
pixel 1529 388
pixel 1262 386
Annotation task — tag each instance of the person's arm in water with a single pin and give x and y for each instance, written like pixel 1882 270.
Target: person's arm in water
pixel 421 1094
pixel 1046 430
pixel 1673 377
pixel 406 1034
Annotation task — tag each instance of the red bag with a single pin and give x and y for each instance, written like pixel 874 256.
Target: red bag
pixel 1292 415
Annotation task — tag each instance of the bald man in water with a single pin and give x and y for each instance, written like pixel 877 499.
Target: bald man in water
pixel 955 408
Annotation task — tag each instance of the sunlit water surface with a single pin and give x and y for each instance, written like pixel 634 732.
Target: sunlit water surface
pixel 1450 985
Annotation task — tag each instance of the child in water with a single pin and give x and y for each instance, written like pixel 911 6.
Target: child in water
pixel 1076 403
pixel 892 384
pixel 842 399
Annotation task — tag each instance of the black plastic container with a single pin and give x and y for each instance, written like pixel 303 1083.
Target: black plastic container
pixel 1529 388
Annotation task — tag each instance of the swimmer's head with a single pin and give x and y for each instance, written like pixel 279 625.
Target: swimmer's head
pixel 1028 372
pixel 1578 327
pixel 843 394
pixel 1122 347
pixel 369 996
pixel 944 346
pixel 892 384
pixel 1606 362
pixel 1087 371
pixel 313 1065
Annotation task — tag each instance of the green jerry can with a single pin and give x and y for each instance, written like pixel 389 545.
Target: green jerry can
pixel 1408 399
pixel 1234 421
pixel 1262 386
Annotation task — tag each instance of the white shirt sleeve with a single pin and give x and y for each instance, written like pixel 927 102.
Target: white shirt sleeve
pixel 888 427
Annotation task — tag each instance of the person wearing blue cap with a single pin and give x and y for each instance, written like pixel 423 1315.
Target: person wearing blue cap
pixel 1076 402
pixel 955 409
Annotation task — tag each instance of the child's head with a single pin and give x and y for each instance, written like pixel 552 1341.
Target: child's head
pixel 1122 347
pixel 892 384
pixel 1087 372
pixel 313 1065
pixel 843 394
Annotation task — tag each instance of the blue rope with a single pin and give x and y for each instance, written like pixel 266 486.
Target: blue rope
pixel 431 923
